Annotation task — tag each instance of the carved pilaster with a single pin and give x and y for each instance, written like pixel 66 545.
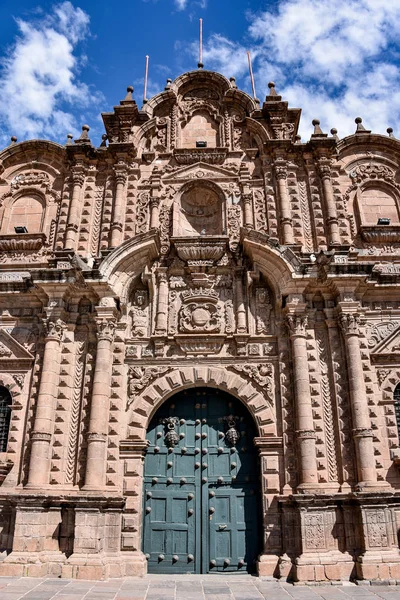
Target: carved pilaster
pixel 121 175
pixel 362 433
pixel 99 408
pixel 280 166
pixel 324 168
pixel 39 466
pixel 162 302
pixel 305 434
pixel 78 173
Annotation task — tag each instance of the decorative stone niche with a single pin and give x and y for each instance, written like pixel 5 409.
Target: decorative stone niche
pixel 198 213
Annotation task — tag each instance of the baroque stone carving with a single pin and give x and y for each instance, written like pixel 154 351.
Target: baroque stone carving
pixel 200 312
pixel 262 374
pixel 234 222
pixel 142 212
pixel 263 311
pixel 140 377
pixel 54 329
pixel 139 314
pixel 297 324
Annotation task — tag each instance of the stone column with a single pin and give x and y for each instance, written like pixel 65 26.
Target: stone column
pixel 332 220
pixel 284 202
pixel 308 476
pixel 162 302
pixel 100 404
pixel 42 434
pixel 74 215
pixel 248 212
pixel 241 321
pixel 118 217
pixel 362 432
pixel 154 213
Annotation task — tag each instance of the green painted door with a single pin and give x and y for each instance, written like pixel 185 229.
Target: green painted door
pixel 201 486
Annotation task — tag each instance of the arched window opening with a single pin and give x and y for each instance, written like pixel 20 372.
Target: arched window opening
pixel 200 128
pixel 5 417
pixel 26 211
pixel 376 203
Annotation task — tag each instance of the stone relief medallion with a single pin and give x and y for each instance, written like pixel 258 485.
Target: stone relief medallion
pixel 200 312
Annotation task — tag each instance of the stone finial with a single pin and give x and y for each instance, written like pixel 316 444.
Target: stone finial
pixel 360 126
pixel 317 128
pixel 84 137
pixel 169 81
pixel 70 137
pixel 104 139
pixel 14 140
pixel 272 90
pixel 129 92
pixel 233 82
pixel 297 138
pixel 200 65
pixel 390 132
pixel 334 133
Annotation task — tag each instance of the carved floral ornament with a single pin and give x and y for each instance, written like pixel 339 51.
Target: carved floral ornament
pixel 367 172
pixel 54 329
pixel 350 323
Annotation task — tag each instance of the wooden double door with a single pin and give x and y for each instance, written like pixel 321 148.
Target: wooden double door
pixel 201 486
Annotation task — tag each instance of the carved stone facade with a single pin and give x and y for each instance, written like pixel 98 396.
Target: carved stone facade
pixel 256 265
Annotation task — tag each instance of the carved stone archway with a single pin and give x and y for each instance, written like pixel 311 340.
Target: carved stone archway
pixel 163 382
pixel 159 383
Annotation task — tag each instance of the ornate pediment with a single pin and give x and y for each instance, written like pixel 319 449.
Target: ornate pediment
pixel 11 350
pixel 201 170
pixel 388 349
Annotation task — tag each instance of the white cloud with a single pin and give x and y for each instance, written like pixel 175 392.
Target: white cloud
pixel 181 4
pixel 39 74
pixel 336 59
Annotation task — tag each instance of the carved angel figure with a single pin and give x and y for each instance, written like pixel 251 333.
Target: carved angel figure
pixel 139 314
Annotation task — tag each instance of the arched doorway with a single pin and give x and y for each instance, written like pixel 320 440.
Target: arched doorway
pixel 201 486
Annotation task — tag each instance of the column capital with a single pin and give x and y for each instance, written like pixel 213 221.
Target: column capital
pixel 78 173
pixel 297 324
pixel 324 167
pixel 105 328
pixel 280 166
pixel 247 198
pixel 54 329
pixel 350 323
pixel 161 274
pixel 120 172
pixel 154 201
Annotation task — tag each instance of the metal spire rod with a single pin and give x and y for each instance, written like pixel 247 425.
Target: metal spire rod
pixel 251 76
pixel 146 76
pixel 200 63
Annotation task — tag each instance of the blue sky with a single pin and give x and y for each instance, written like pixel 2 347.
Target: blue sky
pixel 62 63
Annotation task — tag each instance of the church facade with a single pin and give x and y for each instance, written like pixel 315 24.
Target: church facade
pixel 200 344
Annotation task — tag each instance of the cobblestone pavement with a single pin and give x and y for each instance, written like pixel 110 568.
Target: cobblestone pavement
pixel 185 587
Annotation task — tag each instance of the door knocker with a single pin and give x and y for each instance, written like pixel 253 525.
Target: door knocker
pixel 171 438
pixel 232 435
